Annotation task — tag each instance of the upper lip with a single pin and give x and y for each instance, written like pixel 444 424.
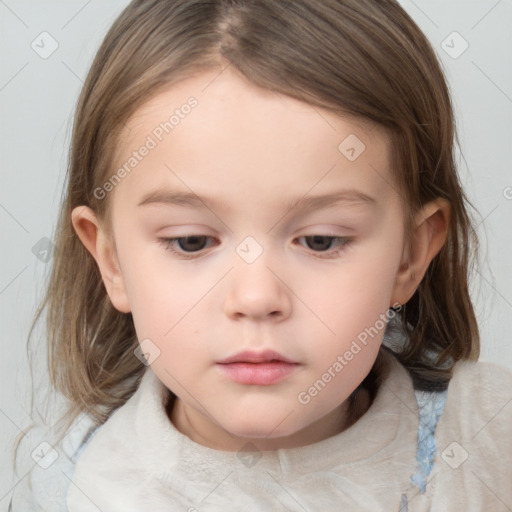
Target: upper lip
pixel 250 356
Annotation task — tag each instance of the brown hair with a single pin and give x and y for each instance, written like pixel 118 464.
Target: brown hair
pixel 364 58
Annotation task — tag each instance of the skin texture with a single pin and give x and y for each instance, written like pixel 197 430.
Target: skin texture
pixel 254 151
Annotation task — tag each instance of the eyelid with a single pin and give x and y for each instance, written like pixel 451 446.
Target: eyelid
pixel 168 242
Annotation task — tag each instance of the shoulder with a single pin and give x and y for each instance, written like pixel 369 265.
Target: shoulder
pixel 44 483
pixel 479 401
pixel 473 439
pixel 481 382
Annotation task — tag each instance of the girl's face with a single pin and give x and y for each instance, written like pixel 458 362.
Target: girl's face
pixel 219 165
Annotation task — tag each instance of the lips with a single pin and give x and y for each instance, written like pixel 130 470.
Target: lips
pixel 257 368
pixel 249 356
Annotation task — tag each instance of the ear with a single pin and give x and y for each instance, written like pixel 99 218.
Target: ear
pixel 432 223
pixel 95 239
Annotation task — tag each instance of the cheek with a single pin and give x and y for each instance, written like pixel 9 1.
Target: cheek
pixel 156 299
pixel 162 305
pixel 354 295
pixel 353 304
pixel 167 307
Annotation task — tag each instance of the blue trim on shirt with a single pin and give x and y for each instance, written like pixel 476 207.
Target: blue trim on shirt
pixel 431 405
pixel 82 447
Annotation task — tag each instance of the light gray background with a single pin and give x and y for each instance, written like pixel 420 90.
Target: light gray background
pixel 37 98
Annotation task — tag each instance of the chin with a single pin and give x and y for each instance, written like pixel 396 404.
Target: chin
pixel 271 428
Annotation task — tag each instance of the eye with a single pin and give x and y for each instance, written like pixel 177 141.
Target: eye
pixel 321 244
pixel 189 245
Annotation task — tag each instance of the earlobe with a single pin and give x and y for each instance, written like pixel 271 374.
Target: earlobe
pixel 94 238
pixel 432 225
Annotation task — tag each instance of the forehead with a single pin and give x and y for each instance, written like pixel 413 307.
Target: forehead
pixel 219 133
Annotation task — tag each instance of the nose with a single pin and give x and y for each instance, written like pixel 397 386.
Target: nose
pixel 257 291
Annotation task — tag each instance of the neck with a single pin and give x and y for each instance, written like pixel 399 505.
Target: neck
pixel 338 420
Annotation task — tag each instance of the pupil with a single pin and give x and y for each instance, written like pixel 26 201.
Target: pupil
pixel 318 239
pixel 194 242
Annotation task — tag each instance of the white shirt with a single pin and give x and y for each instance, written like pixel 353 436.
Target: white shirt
pixel 138 461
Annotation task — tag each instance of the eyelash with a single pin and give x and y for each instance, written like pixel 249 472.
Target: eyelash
pixel 333 253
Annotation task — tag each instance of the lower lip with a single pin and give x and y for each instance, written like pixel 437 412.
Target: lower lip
pixel 261 374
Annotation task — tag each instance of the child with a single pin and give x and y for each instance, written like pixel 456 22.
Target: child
pixel 260 369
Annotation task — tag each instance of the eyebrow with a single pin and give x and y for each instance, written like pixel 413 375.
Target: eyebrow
pixel 306 203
